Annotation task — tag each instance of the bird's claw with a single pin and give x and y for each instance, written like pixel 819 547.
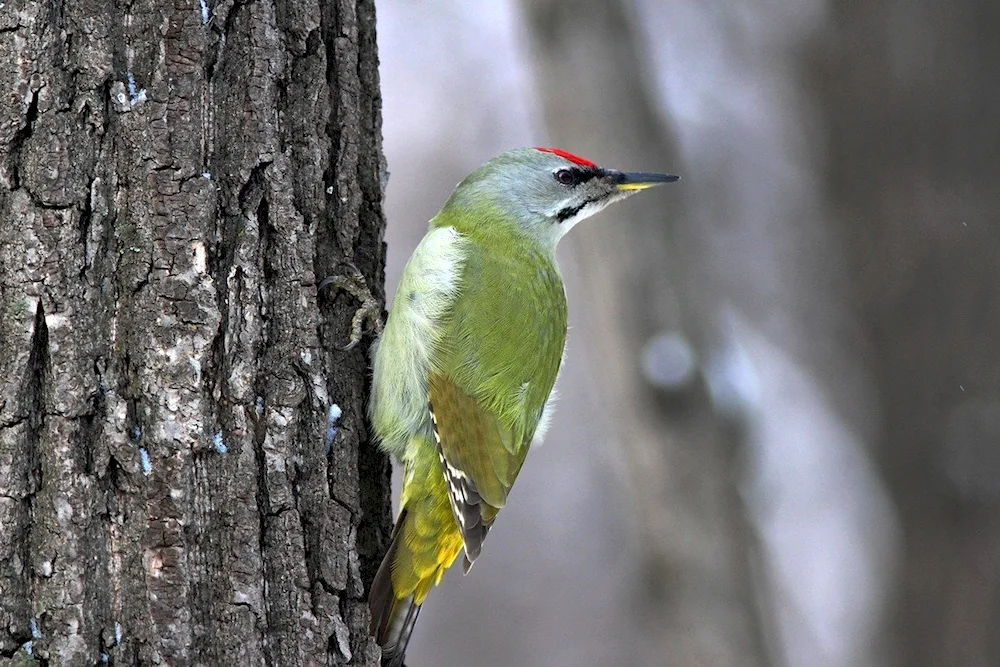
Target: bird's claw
pixel 349 279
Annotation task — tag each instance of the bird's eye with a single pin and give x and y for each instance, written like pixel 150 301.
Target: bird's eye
pixel 565 176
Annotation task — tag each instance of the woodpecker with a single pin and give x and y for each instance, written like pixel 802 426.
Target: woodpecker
pixel 464 368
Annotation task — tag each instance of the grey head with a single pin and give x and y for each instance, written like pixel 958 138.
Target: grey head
pixel 544 191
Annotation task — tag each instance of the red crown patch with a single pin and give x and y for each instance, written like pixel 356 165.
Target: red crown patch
pixel 575 159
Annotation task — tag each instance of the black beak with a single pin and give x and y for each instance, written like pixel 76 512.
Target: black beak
pixel 627 181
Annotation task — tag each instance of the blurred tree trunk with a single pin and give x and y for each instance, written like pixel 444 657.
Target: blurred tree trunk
pixel 697 605
pixel 912 112
pixel 173 179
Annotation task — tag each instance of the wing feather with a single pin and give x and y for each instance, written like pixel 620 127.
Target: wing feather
pixel 495 363
pixel 478 468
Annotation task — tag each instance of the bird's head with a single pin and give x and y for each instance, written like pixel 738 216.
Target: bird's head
pixel 544 191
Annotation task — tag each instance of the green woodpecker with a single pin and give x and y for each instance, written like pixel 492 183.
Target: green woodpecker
pixel 463 371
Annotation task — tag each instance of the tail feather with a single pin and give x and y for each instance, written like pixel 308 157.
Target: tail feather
pixel 394 649
pixel 392 618
pixel 380 597
pixel 425 542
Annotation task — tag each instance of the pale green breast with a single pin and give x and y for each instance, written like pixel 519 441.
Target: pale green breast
pixel 402 355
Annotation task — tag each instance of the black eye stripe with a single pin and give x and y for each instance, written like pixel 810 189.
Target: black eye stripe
pixel 576 175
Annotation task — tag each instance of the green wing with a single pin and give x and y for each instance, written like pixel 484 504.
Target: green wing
pixel 478 468
pixel 497 361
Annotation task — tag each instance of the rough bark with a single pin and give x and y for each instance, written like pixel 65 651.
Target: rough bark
pixel 174 177
pixel 697 603
pixel 911 118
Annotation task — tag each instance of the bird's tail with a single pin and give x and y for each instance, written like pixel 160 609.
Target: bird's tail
pixel 393 618
pixel 425 542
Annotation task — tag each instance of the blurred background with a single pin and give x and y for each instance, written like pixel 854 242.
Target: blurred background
pixel 778 441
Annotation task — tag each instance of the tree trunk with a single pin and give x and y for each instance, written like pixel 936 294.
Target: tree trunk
pixel 911 110
pixel 175 487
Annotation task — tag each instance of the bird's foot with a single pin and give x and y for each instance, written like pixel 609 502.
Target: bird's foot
pixel 348 278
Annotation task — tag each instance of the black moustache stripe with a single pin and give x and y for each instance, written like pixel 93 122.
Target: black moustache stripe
pixel 568 212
